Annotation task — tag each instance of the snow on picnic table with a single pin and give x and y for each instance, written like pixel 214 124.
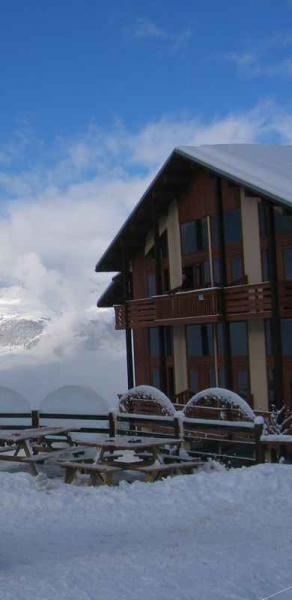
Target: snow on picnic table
pixel 221 535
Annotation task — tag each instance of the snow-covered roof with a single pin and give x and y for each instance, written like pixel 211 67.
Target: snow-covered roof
pixel 267 168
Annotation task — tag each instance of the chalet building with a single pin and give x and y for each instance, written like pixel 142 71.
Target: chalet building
pixel 204 283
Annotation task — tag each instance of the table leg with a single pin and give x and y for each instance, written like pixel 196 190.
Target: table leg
pixel 25 445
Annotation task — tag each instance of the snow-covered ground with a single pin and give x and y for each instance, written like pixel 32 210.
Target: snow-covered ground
pixel 221 535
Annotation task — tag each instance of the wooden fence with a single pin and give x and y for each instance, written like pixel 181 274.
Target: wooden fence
pixel 233 442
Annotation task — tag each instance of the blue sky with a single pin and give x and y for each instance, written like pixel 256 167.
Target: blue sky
pixel 94 96
pixel 67 63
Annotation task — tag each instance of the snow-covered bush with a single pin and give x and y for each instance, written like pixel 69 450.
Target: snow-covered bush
pixel 279 421
pixel 145 399
pixel 226 404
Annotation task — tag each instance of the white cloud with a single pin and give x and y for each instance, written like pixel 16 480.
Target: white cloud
pixel 148 30
pixel 270 57
pixel 59 219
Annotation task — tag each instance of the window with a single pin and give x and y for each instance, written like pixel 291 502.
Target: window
pixel 264 220
pixel 266 264
pixel 243 382
pixel 217 271
pixel 194 236
pixel 222 377
pixel 196 276
pixel 220 339
pixel 194 381
pixel 287 260
pixel 232 226
pixel 283 223
pixel 151 285
pixel 286 328
pixel 215 232
pixel 154 342
pixel 155 378
pixel 236 269
pixel 239 338
pixel 168 340
pixel 271 385
pixel 200 340
pixel 268 335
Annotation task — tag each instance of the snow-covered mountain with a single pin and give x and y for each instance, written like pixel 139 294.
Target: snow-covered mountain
pixel 19 333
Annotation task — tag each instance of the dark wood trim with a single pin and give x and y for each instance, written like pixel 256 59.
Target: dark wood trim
pixel 129 346
pixel 159 290
pixel 226 326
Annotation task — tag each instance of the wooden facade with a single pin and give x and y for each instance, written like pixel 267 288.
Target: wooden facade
pixel 209 287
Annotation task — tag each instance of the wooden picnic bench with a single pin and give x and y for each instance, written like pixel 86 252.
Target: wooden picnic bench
pixel 155 472
pixel 99 473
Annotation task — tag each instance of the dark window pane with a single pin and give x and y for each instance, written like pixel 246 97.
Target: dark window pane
pixel 188 278
pixel 215 232
pixel 283 223
pixel 268 334
pixel 194 236
pixel 264 220
pixel 236 268
pixel 154 345
pixel 220 339
pixel 155 378
pixel 239 338
pixel 222 377
pixel 271 386
pixel 200 340
pixel 166 283
pixel 266 265
pixel 164 245
pixel 168 337
pixel 194 381
pixel 287 259
pixel 286 327
pixel 217 271
pixel 212 379
pixel 206 278
pixel 151 285
pixel 243 382
pixel 194 340
pixel 232 226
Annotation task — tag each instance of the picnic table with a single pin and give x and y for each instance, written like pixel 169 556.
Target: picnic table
pixel 147 457
pixel 149 449
pixel 25 440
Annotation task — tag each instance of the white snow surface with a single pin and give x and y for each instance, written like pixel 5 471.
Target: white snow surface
pixel 221 535
pixel 266 167
pixel 226 395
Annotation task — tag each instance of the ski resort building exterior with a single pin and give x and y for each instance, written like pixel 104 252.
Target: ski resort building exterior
pixel 204 283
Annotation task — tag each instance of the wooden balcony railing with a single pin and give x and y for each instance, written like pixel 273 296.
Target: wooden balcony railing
pixel 248 301
pixel 195 306
pixel 285 298
pixel 199 306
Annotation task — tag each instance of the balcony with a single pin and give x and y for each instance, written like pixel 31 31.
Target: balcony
pixel 199 306
pixel 248 301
